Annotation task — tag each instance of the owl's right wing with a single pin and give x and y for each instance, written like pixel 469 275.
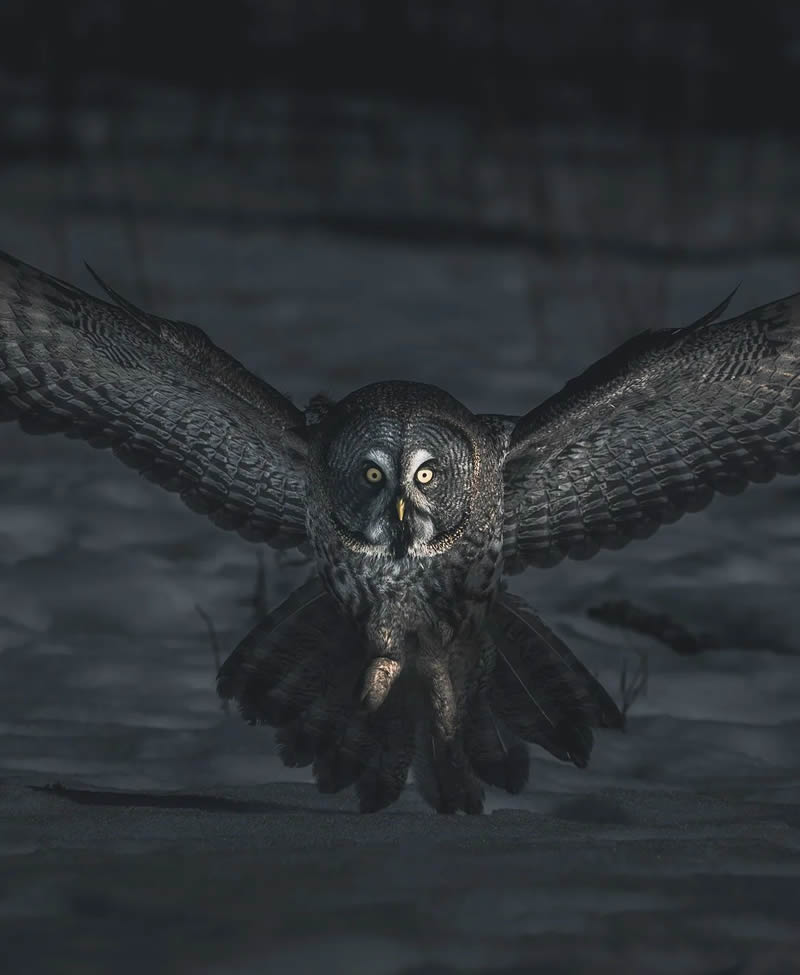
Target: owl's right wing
pixel 160 394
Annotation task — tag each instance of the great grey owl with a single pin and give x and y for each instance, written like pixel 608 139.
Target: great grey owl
pixel 405 647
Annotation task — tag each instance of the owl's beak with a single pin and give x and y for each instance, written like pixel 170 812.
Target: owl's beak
pixel 403 529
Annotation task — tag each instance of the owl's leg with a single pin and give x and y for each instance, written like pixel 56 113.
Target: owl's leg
pixel 347 745
pixel 331 735
pixel 444 776
pixel 392 730
pixel 387 658
pixel 339 706
pixel 341 757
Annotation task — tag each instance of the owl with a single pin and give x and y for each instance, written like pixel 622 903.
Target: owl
pixel 405 650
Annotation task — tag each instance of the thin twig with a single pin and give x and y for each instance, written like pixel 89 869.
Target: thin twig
pixel 215 648
pixel 636 686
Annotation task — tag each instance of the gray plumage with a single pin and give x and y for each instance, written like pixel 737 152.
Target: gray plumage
pixel 405 649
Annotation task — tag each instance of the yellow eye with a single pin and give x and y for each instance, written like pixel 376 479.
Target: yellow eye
pixel 424 475
pixel 374 475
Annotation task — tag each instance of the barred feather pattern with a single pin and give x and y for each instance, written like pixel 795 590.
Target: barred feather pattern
pixel 653 431
pixel 159 394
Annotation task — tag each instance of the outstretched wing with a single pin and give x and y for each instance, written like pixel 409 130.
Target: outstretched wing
pixel 160 394
pixel 651 431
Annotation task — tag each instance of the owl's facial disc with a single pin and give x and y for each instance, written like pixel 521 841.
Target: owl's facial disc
pixel 399 488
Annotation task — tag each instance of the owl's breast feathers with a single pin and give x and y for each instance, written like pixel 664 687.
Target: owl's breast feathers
pixel 391 599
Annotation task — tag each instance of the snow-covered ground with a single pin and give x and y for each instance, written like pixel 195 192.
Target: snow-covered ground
pixel 678 850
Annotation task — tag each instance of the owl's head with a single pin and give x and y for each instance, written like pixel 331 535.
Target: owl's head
pixel 401 468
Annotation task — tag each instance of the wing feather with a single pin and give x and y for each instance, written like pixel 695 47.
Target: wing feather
pixel 653 431
pixel 159 394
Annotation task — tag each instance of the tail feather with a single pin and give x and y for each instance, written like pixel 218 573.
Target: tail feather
pixel 286 662
pixel 392 728
pixel 297 670
pixel 496 754
pixel 516 621
pixel 312 737
pixel 540 689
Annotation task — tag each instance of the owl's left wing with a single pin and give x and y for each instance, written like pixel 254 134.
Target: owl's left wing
pixel 652 431
pixel 159 394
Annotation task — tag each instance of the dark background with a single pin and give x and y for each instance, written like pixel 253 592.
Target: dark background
pixel 655 64
pixel 417 119
pixel 486 196
pixel 661 134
